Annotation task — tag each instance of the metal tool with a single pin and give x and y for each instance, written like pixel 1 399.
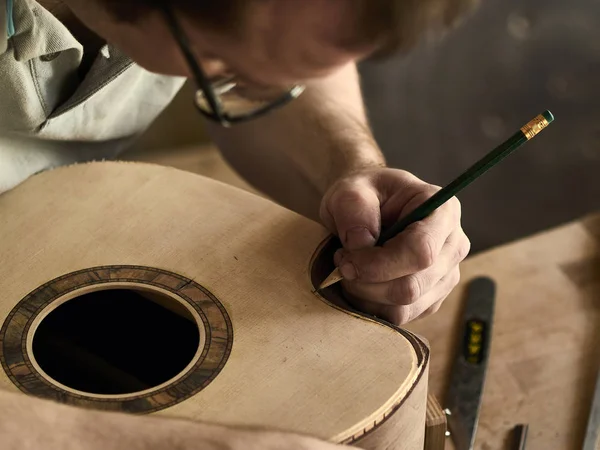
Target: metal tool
pixel 593 425
pixel 467 381
pixel 520 436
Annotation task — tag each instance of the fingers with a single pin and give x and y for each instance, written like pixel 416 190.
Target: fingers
pixel 432 309
pixel 402 314
pixel 408 289
pixel 353 210
pixel 414 250
pixel 411 274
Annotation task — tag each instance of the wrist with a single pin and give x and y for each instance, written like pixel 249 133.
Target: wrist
pixel 354 159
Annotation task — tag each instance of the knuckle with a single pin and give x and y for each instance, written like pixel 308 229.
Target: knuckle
pixel 432 189
pixel 455 278
pixel 425 192
pixel 348 195
pixel 402 316
pixel 463 250
pixel 456 207
pixel 422 246
pixel 433 309
pixel 422 192
pixel 406 290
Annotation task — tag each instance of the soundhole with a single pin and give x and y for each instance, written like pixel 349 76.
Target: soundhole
pixel 116 341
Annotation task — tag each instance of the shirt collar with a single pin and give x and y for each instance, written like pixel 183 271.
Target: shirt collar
pixel 38 32
pixel 4 18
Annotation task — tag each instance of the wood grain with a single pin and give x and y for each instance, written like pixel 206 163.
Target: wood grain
pixel 435 425
pixel 544 352
pixel 205 160
pixel 297 362
pixel 395 433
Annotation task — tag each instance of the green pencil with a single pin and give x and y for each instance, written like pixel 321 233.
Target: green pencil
pixel 526 133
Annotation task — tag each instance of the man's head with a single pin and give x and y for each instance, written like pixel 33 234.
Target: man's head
pixel 264 43
pixel 268 41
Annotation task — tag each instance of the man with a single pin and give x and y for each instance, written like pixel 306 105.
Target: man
pixel 278 87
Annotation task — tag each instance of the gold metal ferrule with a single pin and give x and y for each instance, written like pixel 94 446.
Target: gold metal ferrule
pixel 534 126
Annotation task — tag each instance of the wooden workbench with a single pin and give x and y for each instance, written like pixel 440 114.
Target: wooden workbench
pixel 545 350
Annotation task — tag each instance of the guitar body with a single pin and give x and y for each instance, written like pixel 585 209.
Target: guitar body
pixel 149 290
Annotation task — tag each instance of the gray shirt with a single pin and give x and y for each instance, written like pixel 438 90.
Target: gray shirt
pixel 48 115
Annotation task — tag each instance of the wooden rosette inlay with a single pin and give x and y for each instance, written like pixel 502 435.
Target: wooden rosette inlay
pixel 213 322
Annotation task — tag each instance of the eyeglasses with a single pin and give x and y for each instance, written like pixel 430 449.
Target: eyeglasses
pixel 226 100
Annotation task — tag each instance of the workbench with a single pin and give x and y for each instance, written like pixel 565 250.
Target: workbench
pixel 545 351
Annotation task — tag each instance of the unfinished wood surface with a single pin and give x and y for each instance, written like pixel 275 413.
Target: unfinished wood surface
pixel 435 425
pixel 545 350
pixel 282 357
pixel 205 160
pixel 396 433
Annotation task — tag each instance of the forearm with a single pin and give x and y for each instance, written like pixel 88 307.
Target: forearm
pixel 295 153
pixel 30 423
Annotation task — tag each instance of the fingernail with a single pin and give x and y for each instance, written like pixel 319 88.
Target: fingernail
pixel 348 271
pixel 337 257
pixel 359 237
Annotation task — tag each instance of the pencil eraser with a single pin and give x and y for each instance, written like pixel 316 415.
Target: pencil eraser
pixel 548 116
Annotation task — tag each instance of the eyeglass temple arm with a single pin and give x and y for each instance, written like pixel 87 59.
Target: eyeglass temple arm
pixel 200 78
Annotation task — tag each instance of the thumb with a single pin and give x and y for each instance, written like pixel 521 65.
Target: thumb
pixel 353 209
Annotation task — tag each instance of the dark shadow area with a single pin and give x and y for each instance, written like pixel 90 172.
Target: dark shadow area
pixel 114 342
pixel 438 110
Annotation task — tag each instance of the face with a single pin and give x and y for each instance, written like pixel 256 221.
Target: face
pixel 283 42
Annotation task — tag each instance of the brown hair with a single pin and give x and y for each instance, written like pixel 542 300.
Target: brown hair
pixel 220 14
pixel 389 25
pixel 398 25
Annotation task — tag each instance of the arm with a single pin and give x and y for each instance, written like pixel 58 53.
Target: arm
pixel 318 157
pixel 31 423
pixel 295 153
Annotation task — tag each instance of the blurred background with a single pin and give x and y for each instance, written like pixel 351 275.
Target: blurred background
pixel 436 111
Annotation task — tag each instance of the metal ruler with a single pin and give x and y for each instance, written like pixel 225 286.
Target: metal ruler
pixel 463 400
pixel 591 433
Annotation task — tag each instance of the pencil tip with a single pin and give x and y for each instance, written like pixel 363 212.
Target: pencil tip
pixel 333 278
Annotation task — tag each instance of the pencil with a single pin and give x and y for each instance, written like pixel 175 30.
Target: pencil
pixel 527 132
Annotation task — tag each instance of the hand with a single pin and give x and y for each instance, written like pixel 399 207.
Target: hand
pixel 411 274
